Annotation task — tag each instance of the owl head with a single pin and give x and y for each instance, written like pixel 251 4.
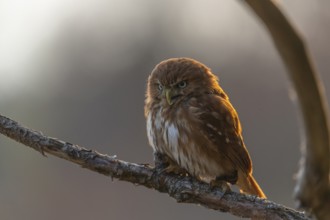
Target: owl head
pixel 177 79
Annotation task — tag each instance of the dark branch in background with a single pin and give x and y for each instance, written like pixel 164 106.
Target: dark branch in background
pixel 182 188
pixel 313 187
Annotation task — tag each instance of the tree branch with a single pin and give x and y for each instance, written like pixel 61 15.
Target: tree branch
pixel 184 189
pixel 313 185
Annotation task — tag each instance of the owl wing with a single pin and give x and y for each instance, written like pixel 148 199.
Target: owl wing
pixel 219 122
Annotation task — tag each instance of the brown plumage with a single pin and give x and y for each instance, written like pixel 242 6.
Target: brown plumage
pixel 191 120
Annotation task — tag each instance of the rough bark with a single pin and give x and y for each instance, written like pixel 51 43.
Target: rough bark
pixel 184 189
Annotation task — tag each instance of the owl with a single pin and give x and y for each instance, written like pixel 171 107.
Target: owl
pixel 191 121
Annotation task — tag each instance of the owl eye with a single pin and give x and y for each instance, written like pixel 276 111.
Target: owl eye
pixel 182 84
pixel 160 87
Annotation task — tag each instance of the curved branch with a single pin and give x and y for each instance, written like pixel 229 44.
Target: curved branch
pixel 184 189
pixel 313 186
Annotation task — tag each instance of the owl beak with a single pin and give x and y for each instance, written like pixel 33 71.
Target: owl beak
pixel 168 95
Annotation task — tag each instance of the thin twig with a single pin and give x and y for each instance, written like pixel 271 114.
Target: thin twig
pixel 313 186
pixel 184 189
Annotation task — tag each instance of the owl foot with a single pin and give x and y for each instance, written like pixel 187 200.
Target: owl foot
pixel 230 178
pixel 173 168
pixel 223 185
pixel 165 164
pixel 161 161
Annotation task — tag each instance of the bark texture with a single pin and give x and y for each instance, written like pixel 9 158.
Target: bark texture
pixel 184 189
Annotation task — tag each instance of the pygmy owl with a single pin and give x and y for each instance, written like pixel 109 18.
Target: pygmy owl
pixel 191 121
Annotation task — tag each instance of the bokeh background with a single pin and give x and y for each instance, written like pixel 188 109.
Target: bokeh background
pixel 76 70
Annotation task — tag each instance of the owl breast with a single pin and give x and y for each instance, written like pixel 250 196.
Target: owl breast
pixel 172 138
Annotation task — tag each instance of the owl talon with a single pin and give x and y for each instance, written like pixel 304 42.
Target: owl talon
pixel 161 159
pixel 173 168
pixel 223 185
pixel 164 164
pixel 230 178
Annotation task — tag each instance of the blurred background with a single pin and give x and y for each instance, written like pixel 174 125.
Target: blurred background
pixel 76 70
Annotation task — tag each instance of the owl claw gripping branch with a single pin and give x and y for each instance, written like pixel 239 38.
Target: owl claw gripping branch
pixel 191 121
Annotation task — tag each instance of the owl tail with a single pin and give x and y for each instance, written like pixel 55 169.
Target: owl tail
pixel 250 186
